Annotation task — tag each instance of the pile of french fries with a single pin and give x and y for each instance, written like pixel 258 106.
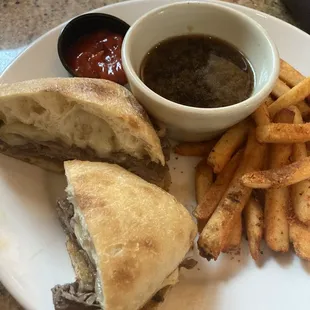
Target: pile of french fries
pixel 256 178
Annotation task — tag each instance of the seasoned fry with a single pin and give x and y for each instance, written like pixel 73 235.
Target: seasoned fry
pixel 277 200
pixel 299 149
pixel 231 140
pixel 266 160
pixel 203 179
pixel 216 191
pixel 283 133
pixel 261 115
pixel 220 225
pixel 281 88
pixel 268 133
pixel 276 226
pixel 289 75
pixel 300 194
pixel 269 101
pixel 279 177
pixel 300 237
pixel 254 226
pixel 303 107
pixel 292 97
pixel 199 149
pixel 234 240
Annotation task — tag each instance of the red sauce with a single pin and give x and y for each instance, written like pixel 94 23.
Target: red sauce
pixel 98 55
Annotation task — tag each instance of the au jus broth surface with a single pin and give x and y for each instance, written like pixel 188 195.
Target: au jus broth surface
pixel 199 71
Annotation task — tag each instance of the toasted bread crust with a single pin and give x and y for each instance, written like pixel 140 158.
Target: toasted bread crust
pixel 140 233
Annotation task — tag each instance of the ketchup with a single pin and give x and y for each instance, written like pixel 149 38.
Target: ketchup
pixel 98 55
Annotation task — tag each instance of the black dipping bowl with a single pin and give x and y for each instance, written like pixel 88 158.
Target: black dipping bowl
pixel 85 24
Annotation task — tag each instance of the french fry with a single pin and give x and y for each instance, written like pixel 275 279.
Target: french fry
pixel 289 75
pixel 281 88
pixel 231 140
pixel 278 177
pixel 276 226
pixel 254 226
pixel 269 101
pixel 300 237
pixel 234 240
pixel 220 225
pixel 261 115
pixel 299 149
pixel 277 200
pixel 199 149
pixel 203 179
pixel 308 148
pixel 259 195
pixel 283 133
pixel 303 108
pixel 266 161
pixel 292 97
pixel 217 189
pixel 300 194
pixel 268 133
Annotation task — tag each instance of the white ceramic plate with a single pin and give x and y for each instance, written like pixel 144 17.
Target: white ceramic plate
pixel 33 257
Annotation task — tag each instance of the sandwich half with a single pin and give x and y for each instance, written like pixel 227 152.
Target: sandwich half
pixel 126 239
pixel 48 121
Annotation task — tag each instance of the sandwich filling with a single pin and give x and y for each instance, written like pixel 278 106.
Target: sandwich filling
pixel 48 121
pixel 58 152
pixel 49 116
pixel 86 293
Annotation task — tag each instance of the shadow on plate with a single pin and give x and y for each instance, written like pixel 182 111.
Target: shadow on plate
pixel 306 266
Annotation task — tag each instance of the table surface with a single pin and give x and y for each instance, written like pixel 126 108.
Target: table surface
pixel 26 20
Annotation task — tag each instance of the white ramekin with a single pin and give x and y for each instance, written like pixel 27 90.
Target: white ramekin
pixel 190 123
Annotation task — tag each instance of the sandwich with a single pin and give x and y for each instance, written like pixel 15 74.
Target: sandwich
pixel 48 121
pixel 127 239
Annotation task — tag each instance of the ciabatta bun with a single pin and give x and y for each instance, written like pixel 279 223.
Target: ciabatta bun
pixel 96 115
pixel 136 233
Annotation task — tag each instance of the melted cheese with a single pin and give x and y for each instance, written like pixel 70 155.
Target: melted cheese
pixel 51 117
pixel 20 131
